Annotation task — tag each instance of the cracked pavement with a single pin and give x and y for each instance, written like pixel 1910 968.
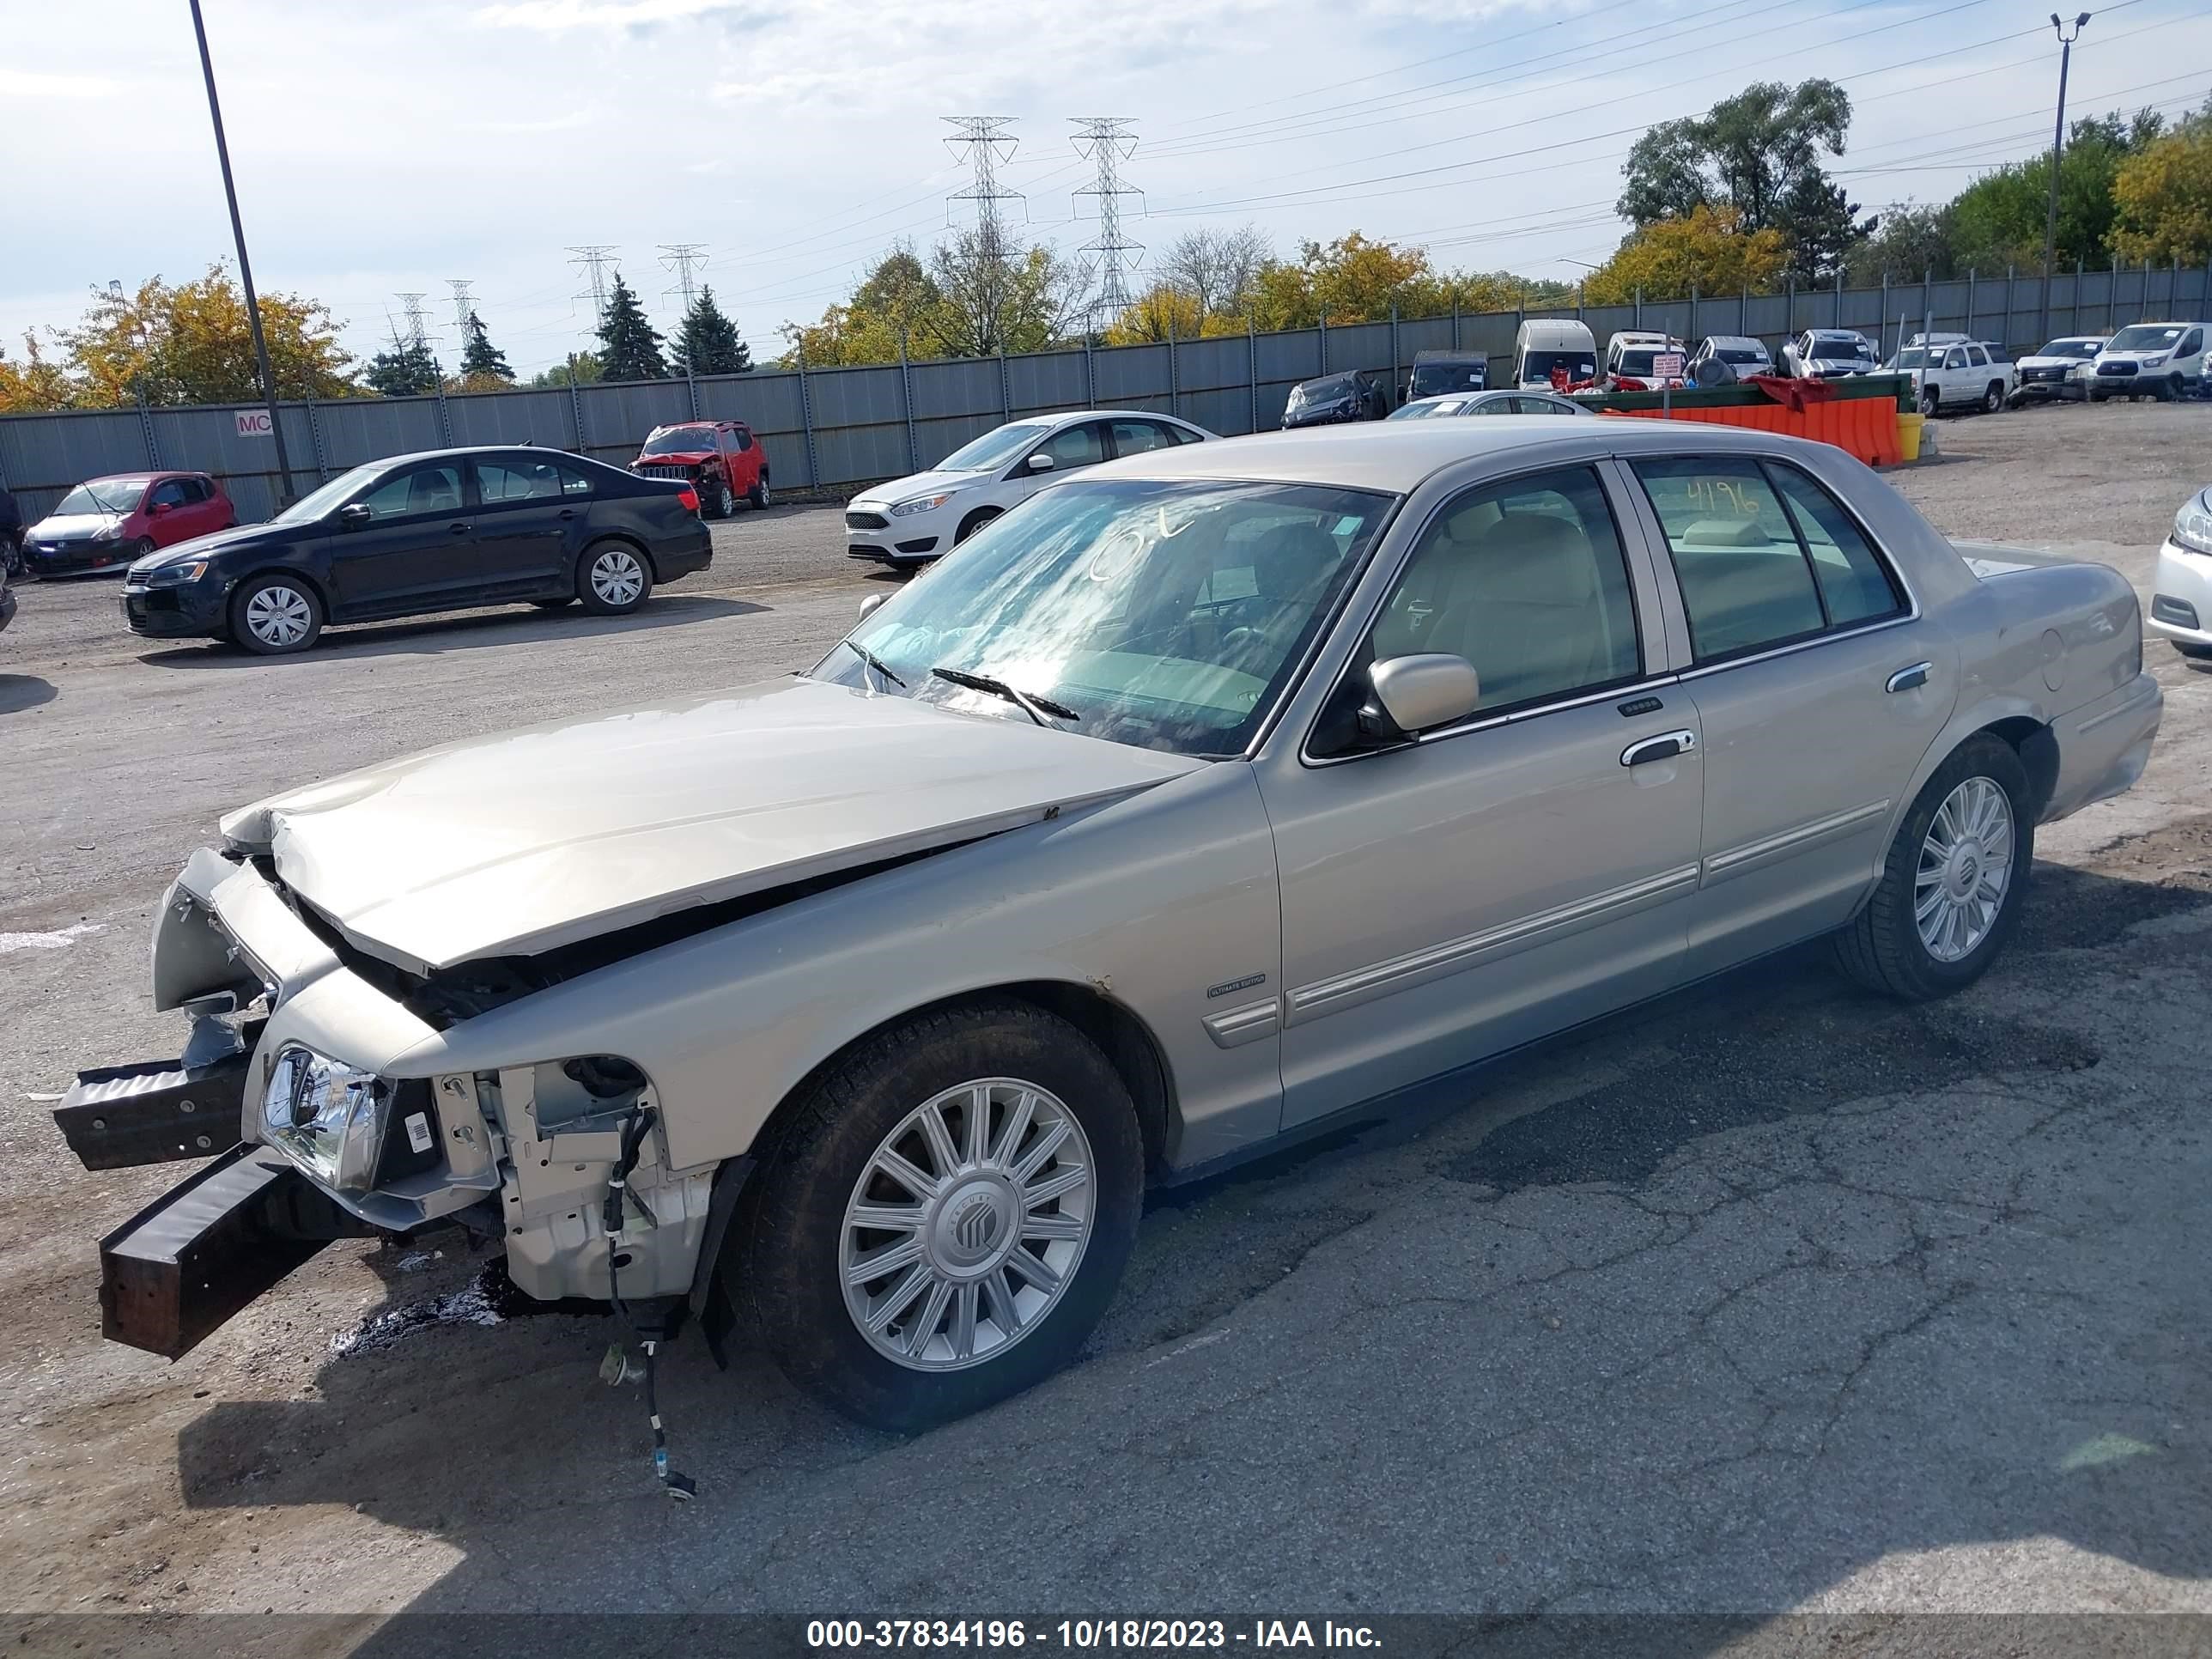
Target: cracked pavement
pixel 1764 1297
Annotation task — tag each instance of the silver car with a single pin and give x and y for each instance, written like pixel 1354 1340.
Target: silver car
pixel 1501 402
pixel 1195 803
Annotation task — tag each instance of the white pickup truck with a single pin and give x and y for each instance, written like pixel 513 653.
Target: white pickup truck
pixel 1957 373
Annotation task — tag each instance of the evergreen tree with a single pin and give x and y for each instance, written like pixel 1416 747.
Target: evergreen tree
pixel 708 342
pixel 480 359
pixel 408 370
pixel 630 346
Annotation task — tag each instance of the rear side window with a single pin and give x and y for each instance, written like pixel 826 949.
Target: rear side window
pixel 1764 556
pixel 517 481
pixel 574 482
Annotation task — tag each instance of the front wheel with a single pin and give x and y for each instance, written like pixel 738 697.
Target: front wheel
pixel 944 1216
pixel 2194 652
pixel 2175 388
pixel 722 500
pixel 974 522
pixel 612 579
pixel 1931 401
pixel 2096 397
pixel 1993 399
pixel 1950 890
pixel 273 616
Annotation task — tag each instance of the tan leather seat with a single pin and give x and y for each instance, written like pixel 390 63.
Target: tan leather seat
pixel 1521 601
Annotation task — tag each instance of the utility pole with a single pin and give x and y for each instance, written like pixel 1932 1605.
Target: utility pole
pixel 684 258
pixel 1109 141
pixel 594 259
pixel 244 266
pixel 2057 150
pixel 464 306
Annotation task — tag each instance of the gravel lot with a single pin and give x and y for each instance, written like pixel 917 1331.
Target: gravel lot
pixel 1766 1297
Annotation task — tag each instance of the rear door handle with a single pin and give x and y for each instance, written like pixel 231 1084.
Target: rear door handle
pixel 1908 680
pixel 568 512
pixel 458 527
pixel 1666 746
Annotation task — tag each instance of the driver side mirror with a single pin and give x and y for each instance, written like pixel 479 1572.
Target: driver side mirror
pixel 159 508
pixel 873 604
pixel 355 516
pixel 1040 462
pixel 1418 693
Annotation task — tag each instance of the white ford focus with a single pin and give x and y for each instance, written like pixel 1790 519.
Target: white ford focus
pixel 913 519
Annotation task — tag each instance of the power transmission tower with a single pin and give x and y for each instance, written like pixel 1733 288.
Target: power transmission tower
pixel 683 259
pixel 1109 141
pixel 594 259
pixel 415 333
pixel 463 305
pixel 987 143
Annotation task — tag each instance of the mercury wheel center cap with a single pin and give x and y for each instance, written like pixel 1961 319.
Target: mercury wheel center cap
pixel 973 1226
pixel 1966 864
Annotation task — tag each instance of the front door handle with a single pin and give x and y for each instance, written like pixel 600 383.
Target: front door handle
pixel 568 512
pixel 1908 679
pixel 1666 746
pixel 458 527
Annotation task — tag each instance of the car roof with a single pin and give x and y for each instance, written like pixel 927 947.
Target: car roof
pixel 1469 355
pixel 1397 456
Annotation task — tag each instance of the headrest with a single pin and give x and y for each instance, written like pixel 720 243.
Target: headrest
pixel 1532 558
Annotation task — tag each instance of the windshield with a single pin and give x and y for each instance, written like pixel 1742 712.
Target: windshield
pixel 1170 616
pixel 1580 366
pixel 116 495
pixel 2077 349
pixel 2145 336
pixel 994 448
pixel 681 441
pixel 1428 407
pixel 320 503
pixel 1827 348
pixel 1740 355
pixel 1637 362
pixel 1430 378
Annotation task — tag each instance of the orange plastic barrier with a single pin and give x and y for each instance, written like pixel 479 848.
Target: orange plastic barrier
pixel 1864 427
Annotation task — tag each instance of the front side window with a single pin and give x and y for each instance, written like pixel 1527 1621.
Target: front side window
pixel 1527 581
pixel 1073 447
pixel 1753 573
pixel 517 481
pixel 1957 358
pixel 170 492
pixel 422 489
pixel 2192 343
pixel 1167 615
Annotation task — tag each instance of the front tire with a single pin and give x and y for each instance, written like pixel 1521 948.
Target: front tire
pixel 1950 891
pixel 2175 388
pixel 1993 399
pixel 613 578
pixel 944 1216
pixel 2194 652
pixel 974 522
pixel 723 500
pixel 275 615
pixel 1931 402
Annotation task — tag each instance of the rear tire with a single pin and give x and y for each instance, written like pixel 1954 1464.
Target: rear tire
pixel 1002 1287
pixel 758 495
pixel 561 604
pixel 613 578
pixel 275 614
pixel 1932 926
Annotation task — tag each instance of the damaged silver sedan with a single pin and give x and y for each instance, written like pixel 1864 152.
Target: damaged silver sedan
pixel 1195 803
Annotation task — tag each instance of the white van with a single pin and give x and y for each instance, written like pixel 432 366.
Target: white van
pixel 2151 360
pixel 1547 343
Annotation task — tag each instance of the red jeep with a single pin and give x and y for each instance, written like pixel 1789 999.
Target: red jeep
pixel 721 460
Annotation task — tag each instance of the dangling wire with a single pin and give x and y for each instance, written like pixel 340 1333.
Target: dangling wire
pixel 680 1487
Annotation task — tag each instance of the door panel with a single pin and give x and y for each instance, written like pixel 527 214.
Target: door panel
pixel 1448 899
pixel 523 527
pixel 418 532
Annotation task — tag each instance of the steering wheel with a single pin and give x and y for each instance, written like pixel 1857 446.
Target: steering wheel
pixel 1238 638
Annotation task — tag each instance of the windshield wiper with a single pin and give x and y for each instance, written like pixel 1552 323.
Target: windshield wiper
pixel 873 661
pixel 1029 705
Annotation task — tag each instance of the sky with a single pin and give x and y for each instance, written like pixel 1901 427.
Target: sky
pixel 392 148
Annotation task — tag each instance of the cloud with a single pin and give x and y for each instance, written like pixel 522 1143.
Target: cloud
pixel 556 16
pixel 34 83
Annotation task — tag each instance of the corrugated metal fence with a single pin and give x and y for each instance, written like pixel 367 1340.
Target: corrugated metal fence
pixel 835 428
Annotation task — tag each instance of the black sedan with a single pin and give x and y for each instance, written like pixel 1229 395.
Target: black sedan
pixel 444 531
pixel 1356 394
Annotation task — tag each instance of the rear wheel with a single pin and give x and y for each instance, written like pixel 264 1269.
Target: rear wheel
pixel 612 579
pixel 758 495
pixel 564 601
pixel 1950 891
pixel 945 1216
pixel 274 615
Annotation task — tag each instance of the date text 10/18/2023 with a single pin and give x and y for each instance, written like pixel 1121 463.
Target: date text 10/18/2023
pixel 1085 1635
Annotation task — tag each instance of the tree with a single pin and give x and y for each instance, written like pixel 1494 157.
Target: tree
pixel 1759 153
pixel 630 346
pixel 193 344
pixel 408 370
pixel 2162 196
pixel 582 366
pixel 893 301
pixel 1911 242
pixel 1215 269
pixel 1163 312
pixel 1351 280
pixel 708 342
pixel 996 294
pixel 484 366
pixel 1708 249
pixel 1997 221
pixel 33 386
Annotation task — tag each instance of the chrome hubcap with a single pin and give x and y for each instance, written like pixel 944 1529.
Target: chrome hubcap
pixel 967 1224
pixel 616 577
pixel 1965 869
pixel 278 616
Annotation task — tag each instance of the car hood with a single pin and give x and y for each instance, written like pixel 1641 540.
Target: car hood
pixel 2053 362
pixel 2136 357
pixel 75 526
pixel 198 547
pixel 920 483
pixel 521 842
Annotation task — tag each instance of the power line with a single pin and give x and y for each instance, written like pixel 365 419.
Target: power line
pixel 987 143
pixel 682 257
pixel 1107 141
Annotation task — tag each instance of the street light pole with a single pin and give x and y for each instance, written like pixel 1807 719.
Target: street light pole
pixel 2057 151
pixel 245 268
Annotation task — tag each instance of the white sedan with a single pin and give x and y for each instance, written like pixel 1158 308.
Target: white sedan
pixel 913 519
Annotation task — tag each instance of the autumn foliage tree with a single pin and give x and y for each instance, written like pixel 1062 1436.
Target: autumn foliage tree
pixel 33 383
pixel 191 344
pixel 2162 196
pixel 1709 251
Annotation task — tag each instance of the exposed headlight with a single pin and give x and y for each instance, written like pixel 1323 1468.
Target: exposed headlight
pixel 171 575
pixel 112 533
pixel 326 1116
pixel 921 504
pixel 2192 525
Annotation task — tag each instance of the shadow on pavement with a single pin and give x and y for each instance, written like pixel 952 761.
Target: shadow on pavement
pixel 1568 1355
pixel 436 635
pixel 20 691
